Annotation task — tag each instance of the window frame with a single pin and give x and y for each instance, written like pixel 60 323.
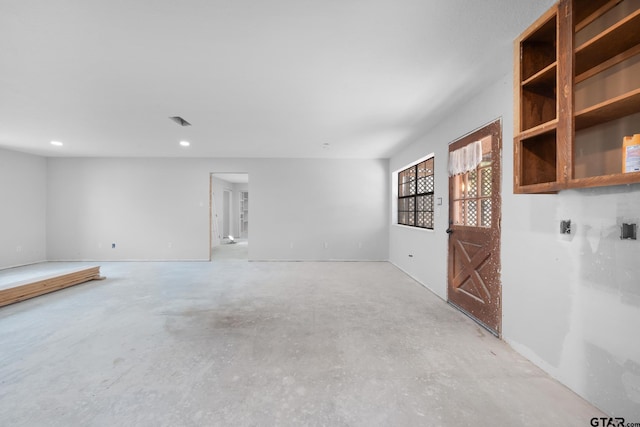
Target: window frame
pixel 409 206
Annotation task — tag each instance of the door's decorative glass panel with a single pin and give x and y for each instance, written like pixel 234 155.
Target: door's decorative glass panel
pixel 472 183
pixel 485 173
pixel 485 212
pixel 457 186
pixel 458 212
pixel 472 213
pixel 471 192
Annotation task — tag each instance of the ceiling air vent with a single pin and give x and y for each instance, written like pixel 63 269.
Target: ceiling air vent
pixel 179 120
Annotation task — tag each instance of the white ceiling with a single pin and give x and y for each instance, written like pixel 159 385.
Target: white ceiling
pixel 260 78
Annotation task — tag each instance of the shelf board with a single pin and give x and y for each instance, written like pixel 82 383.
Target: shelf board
pixel 605 180
pixel 612 109
pixel 542 188
pixel 635 50
pixel 544 77
pixel 541 129
pixel 591 10
pixel 618 38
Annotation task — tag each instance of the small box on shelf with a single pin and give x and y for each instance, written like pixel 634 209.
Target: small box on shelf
pixel 631 154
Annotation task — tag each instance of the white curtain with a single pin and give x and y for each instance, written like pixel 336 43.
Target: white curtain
pixel 465 159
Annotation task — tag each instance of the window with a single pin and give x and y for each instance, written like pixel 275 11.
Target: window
pixel 415 195
pixel 471 198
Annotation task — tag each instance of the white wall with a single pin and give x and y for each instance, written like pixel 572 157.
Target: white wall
pixel 299 206
pixel 152 209
pixel 570 304
pixel 23 201
pixel 156 209
pixel 573 305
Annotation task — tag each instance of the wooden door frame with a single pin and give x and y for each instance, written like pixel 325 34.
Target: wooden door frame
pixel 227 207
pixel 493 128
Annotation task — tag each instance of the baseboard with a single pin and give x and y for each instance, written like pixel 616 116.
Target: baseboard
pixel 418 281
pixel 130 260
pixel 23 265
pixel 317 260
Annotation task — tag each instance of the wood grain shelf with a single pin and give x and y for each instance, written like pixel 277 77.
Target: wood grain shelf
pixel 605 180
pixel 610 43
pixel 546 127
pixel 543 188
pixel 590 10
pixel 545 77
pixel 612 109
pixel 635 50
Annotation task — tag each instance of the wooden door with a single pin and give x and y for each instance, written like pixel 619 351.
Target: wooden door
pixel 474 232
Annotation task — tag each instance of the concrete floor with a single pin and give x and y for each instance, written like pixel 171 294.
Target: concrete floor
pixel 238 250
pixel 243 343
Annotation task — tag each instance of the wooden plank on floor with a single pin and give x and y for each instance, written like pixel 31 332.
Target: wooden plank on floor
pixel 25 289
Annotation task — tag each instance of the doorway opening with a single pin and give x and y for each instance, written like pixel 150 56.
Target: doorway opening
pixel 229 216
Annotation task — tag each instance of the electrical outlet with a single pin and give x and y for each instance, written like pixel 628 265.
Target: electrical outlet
pixel 326 245
pixel 628 231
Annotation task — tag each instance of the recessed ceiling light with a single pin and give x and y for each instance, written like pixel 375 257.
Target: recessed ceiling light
pixel 185 143
pixel 56 143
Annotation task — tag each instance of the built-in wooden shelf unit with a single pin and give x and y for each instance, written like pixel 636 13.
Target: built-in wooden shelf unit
pixel 577 91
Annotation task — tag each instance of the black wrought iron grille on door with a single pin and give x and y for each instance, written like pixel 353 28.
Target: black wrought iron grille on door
pixel 415 195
